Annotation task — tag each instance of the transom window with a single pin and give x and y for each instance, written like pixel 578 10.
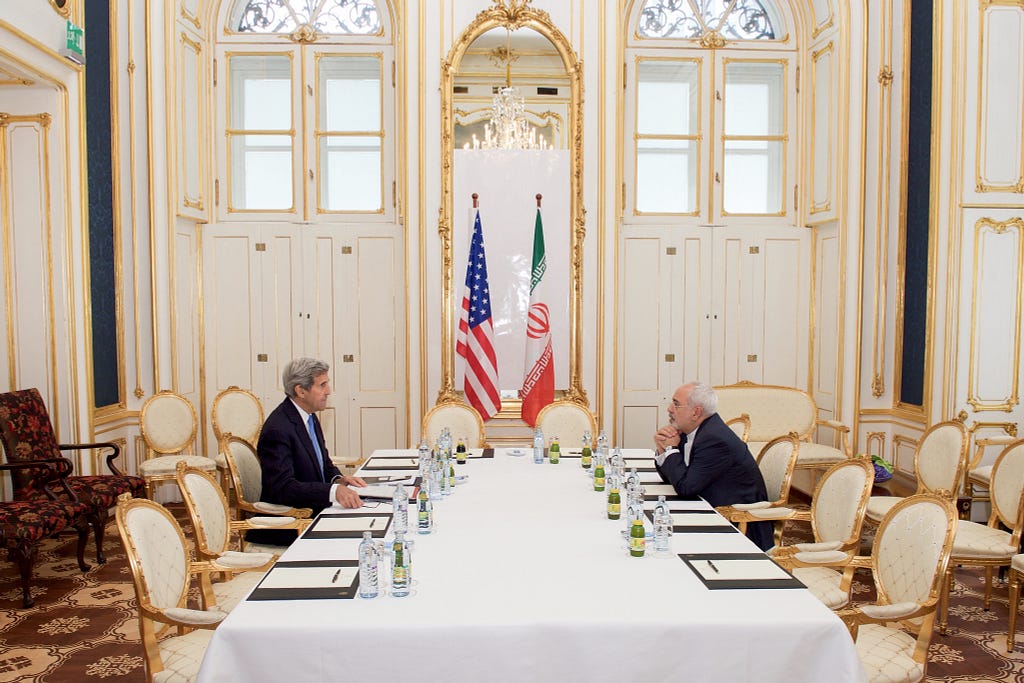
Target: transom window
pixel 332 17
pixel 733 19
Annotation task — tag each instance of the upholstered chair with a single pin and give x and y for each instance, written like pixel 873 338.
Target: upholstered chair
pixel 237 412
pixel 776 462
pixel 1016 575
pixel 247 480
pixel 939 463
pixel 836 516
pixel 161 573
pixel 24 523
pixel 168 424
pixel 990 545
pixel 208 509
pixel 978 479
pixel 27 436
pixel 566 420
pixel 741 425
pixel 462 420
pixel 908 558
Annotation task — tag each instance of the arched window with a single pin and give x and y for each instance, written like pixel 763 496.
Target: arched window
pixel 711 99
pixel 306 93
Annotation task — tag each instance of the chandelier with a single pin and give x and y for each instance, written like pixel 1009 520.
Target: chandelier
pixel 508 127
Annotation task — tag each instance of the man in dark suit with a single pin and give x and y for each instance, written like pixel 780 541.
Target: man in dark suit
pixel 293 455
pixel 700 456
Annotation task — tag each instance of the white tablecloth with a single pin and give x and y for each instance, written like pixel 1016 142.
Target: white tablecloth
pixel 525 579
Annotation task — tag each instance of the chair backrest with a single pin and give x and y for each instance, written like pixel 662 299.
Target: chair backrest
pixel 1008 488
pixel 776 462
pixel 168 423
pixel 773 410
pixel 26 434
pixel 244 465
pixel 238 412
pixel 911 549
pixel 840 501
pixel 461 419
pixel 208 509
pixel 941 458
pixel 157 553
pixel 740 425
pixel 568 421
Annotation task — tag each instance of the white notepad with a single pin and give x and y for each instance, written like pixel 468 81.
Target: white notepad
pixel 342 523
pixel 697 519
pixel 638 462
pixel 740 570
pixel 659 490
pixel 310 577
pixel 392 463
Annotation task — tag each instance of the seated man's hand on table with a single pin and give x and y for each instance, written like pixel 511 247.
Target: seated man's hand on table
pixel 345 496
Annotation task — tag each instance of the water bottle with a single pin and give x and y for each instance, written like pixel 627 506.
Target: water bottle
pixel 400 508
pixel 618 466
pixel 538 446
pixel 446 479
pixel 424 512
pixel 633 479
pixel 662 526
pixel 602 445
pixel 368 587
pixel 424 452
pixel 399 566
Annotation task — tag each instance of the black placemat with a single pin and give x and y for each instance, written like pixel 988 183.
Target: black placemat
pixel 736 584
pixel 340 592
pixel 724 528
pixel 378 530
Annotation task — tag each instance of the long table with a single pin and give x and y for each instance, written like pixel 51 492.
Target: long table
pixel 525 579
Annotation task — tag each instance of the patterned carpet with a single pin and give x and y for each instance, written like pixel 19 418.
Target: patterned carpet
pixel 83 627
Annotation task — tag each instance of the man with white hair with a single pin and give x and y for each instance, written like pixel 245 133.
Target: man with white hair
pixel 700 456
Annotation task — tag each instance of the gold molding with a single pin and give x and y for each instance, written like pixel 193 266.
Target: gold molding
pixel 1009 428
pixel 828 48
pixel 185 42
pixel 875 437
pixel 982 226
pixel 116 226
pixel 980 186
pixel 884 195
pixel 61 7
pixel 134 203
pixel 11 78
pixel 513 15
pixel 190 18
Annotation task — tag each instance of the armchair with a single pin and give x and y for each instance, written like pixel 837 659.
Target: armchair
pixel 168 424
pixel 23 523
pixel 740 425
pixel 776 462
pixel 908 558
pixel 247 480
pixel 567 420
pixel 161 573
pixel 462 420
pixel 27 436
pixel 235 411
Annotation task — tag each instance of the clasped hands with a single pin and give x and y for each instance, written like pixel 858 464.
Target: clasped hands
pixel 666 437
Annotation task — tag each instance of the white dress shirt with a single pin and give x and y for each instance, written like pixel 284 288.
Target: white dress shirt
pixel 305 420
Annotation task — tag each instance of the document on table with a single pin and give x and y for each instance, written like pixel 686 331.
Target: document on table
pixel 309 580
pixel 659 490
pixel 391 464
pixel 348 525
pixel 310 577
pixel 640 464
pixel 698 518
pixel 739 571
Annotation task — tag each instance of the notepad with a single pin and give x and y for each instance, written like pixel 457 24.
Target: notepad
pixel 739 570
pixel 697 519
pixel 350 523
pixel 310 577
pixel 659 490
pixel 391 464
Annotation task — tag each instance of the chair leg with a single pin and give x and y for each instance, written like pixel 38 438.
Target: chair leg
pixel 947 586
pixel 24 556
pixel 82 528
pixel 98 521
pixel 988 587
pixel 1014 603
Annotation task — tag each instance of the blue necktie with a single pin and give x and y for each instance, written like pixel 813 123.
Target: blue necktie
pixel 316 446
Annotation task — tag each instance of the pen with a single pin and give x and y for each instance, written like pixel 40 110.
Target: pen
pixel 372 522
pixel 338 573
pixel 712 565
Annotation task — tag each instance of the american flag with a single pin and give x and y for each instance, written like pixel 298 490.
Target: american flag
pixel 475 341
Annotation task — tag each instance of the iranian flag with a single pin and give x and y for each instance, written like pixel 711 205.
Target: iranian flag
pixel 539 383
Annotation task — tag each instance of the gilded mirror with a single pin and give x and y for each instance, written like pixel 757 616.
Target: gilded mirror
pixel 512 44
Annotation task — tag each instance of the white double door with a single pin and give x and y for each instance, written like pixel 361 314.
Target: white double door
pixel 279 291
pixel 712 304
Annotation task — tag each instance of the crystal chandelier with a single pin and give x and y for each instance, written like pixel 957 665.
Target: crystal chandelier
pixel 508 127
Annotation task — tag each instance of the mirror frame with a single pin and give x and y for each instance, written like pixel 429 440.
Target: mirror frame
pixel 512 15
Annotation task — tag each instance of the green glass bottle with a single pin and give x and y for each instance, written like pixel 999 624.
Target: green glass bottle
pixel 599 476
pixel 554 451
pixel 460 452
pixel 637 542
pixel 451 475
pixel 614 504
pixel 399 567
pixel 586 454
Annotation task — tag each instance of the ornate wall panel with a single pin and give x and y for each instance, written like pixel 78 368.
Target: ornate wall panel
pixel 823 15
pixel 827 319
pixel 995 319
pixel 903 449
pixel 184 316
pixel 822 130
pixel 1000 146
pixel 190 10
pixel 380 309
pixel 642 335
pixel 731 320
pixel 191 116
pixel 231 334
pixel 784 286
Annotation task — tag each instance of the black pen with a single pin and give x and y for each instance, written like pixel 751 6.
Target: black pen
pixel 372 521
pixel 712 565
pixel 338 573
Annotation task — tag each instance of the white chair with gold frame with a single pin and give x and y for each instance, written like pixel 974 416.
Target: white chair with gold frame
pixel 238 412
pixel 208 509
pixel 776 462
pixel 461 419
pixel 980 476
pixel 939 462
pixel 910 553
pixel 162 570
pixel 836 516
pixel 988 545
pixel 740 425
pixel 168 425
pixel 566 420
pixel 1016 576
pixel 247 480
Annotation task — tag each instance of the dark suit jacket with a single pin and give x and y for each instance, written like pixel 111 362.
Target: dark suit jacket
pixel 721 471
pixel 291 475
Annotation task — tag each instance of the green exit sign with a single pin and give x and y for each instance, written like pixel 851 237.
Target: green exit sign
pixel 74 43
